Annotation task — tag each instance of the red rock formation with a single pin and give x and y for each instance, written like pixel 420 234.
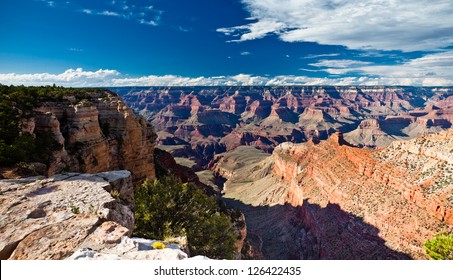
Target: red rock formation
pixel 192 101
pixel 234 104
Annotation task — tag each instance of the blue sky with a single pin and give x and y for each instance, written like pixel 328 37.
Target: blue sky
pixel 226 42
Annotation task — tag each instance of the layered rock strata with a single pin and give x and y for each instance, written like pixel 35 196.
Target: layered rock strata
pixel 97 134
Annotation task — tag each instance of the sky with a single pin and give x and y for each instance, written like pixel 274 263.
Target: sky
pixel 226 42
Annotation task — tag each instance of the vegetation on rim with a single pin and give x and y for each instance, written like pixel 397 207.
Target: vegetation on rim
pixel 167 208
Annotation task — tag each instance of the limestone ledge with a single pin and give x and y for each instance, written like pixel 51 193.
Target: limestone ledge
pixel 73 216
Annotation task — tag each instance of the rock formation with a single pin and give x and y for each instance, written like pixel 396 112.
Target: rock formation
pixel 96 134
pixel 83 216
pixel 334 201
pixel 369 134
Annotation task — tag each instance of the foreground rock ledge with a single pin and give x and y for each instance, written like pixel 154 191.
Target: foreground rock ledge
pixel 75 216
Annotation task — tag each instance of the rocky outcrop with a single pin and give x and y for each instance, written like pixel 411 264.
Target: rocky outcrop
pixel 73 216
pixel 61 212
pixel 342 202
pixel 428 162
pixel 97 134
pixel 233 104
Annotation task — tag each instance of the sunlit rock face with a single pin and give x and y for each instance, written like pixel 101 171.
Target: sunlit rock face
pixel 49 218
pixel 97 134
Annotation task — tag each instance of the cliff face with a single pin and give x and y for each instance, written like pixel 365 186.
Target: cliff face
pixel 346 202
pixel 95 135
pixel 404 191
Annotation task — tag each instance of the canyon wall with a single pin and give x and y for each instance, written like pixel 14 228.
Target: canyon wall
pixel 341 202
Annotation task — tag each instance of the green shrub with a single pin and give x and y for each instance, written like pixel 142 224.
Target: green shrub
pixel 167 207
pixel 75 209
pixel 440 247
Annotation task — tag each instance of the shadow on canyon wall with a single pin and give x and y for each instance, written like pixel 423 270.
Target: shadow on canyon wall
pixel 312 232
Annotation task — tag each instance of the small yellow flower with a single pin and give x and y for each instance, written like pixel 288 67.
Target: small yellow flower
pixel 159 245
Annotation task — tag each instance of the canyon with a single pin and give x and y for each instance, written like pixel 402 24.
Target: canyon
pixel 80 203
pixel 368 182
pixel 199 122
pixel 317 172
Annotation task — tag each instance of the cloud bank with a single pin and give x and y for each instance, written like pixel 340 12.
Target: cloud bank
pixel 70 78
pixel 430 70
pixel 404 25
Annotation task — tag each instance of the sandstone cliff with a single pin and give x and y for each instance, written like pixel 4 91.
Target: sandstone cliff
pixel 95 134
pixel 334 201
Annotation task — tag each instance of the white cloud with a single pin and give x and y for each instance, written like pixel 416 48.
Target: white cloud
pixel 430 70
pixel 172 80
pixel 339 63
pixel 310 70
pixel 183 29
pixel 311 56
pixel 71 77
pixel 256 30
pixel 405 25
pixel 246 53
pixel 433 69
pixel 108 13
pixel 148 22
pixel 124 9
pixel 339 66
